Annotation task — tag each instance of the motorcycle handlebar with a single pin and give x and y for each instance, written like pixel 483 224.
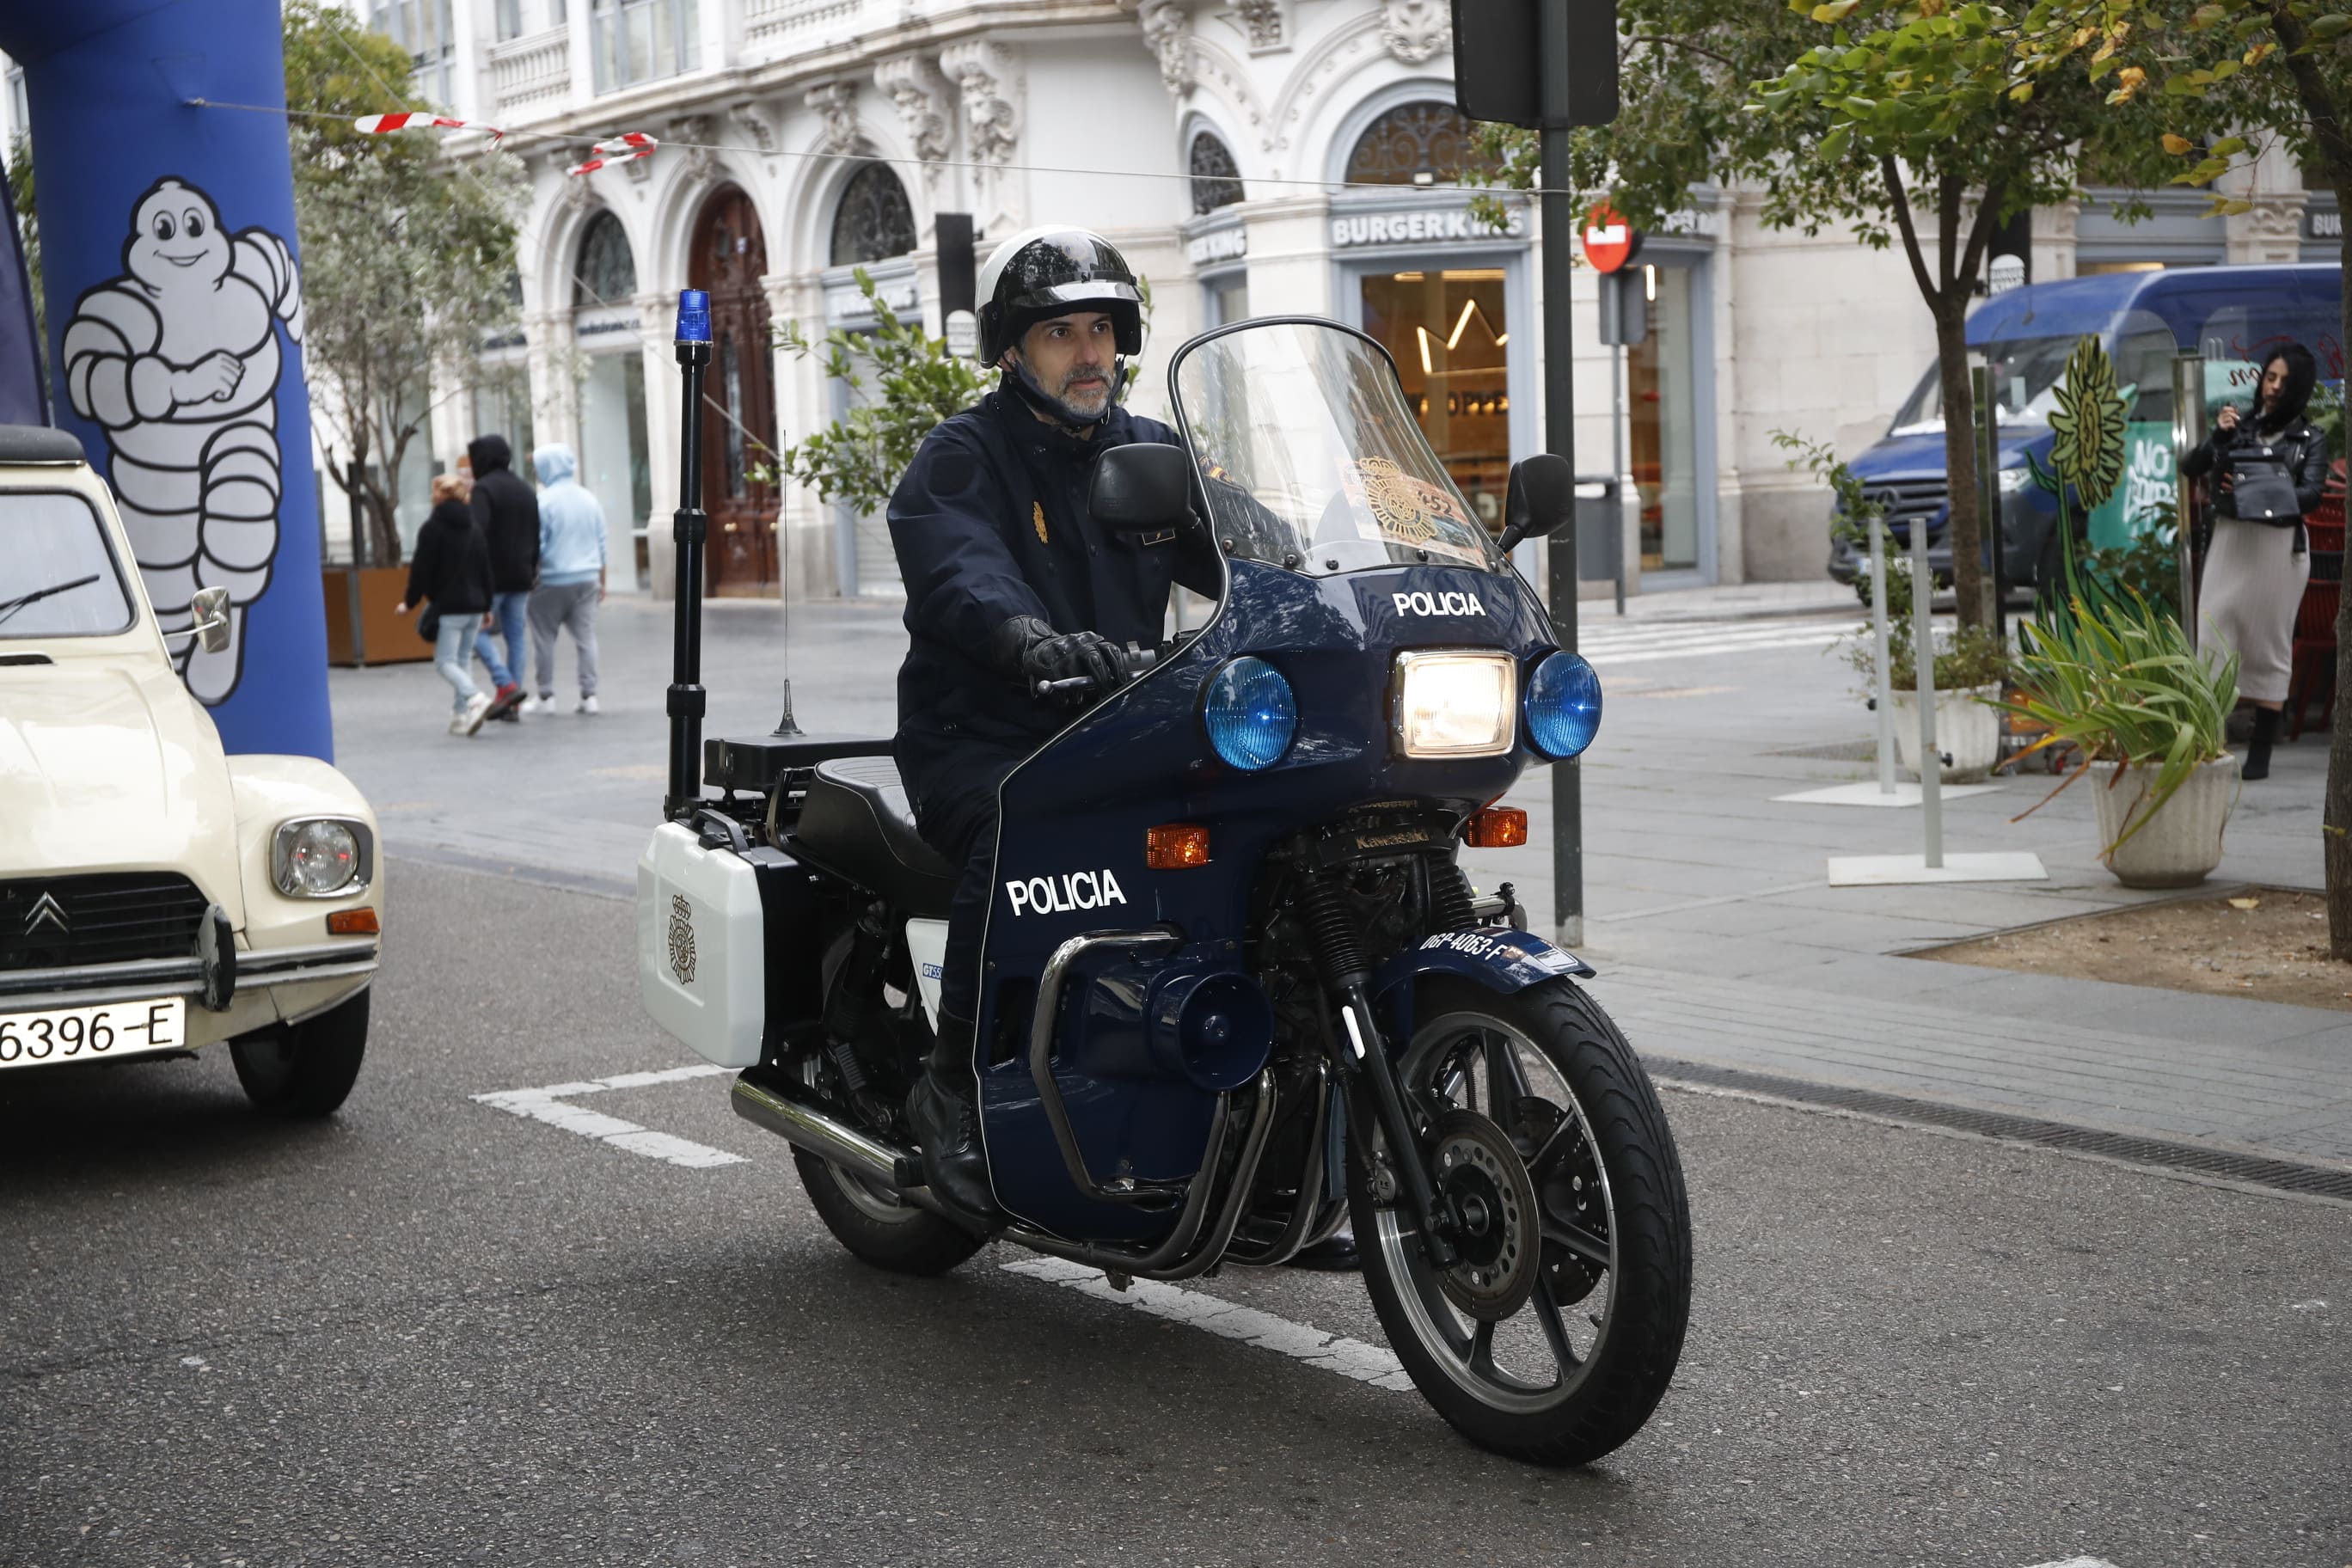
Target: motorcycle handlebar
pixel 1133 661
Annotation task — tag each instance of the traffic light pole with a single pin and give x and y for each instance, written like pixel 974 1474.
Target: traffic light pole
pixel 1558 220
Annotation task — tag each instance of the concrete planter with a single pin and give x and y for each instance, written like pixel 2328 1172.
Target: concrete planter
pixel 1966 730
pixel 2183 844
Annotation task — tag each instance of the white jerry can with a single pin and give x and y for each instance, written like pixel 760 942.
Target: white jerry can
pixel 701 946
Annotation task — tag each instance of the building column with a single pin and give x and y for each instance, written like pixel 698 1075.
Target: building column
pixel 656 312
pixel 554 391
pixel 1289 256
pixel 2271 231
pixel 805 561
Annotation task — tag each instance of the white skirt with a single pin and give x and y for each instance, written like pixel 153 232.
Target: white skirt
pixel 2254 584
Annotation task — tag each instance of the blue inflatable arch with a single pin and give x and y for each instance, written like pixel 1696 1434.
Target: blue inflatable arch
pixel 174 303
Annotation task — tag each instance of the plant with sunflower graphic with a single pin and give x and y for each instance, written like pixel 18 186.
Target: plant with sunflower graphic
pixel 2101 668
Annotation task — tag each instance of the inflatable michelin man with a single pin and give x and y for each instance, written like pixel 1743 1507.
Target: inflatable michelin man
pixel 179 361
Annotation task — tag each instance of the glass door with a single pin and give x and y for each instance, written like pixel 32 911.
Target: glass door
pixel 1663 415
pixel 1448 329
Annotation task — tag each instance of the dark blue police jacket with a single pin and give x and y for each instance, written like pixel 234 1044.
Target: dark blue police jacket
pixel 990 522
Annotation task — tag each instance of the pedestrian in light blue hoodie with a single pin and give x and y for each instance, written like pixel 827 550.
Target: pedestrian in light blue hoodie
pixel 571 574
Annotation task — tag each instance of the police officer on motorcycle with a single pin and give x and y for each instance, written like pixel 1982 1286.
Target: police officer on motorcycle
pixel 1010 586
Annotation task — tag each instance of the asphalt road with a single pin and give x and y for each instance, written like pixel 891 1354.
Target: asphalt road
pixel 431 1331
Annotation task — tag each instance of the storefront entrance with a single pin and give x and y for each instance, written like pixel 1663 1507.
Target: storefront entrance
pixel 1665 427
pixel 728 258
pixel 1448 329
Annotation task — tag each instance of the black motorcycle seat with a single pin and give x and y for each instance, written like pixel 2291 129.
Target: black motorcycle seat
pixel 856 820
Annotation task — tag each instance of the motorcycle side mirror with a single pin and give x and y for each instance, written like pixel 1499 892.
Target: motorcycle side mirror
pixel 1541 499
pixel 1141 487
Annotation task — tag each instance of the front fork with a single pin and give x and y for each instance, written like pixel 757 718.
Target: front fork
pixel 1363 1062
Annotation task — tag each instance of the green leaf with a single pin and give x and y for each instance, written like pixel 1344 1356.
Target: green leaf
pixel 1834 145
pixel 2228 147
pixel 2331 27
pixel 1835 10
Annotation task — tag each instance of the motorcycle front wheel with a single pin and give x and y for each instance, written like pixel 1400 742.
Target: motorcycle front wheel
pixel 1553 1337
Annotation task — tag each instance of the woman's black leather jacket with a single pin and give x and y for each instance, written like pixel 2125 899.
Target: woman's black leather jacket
pixel 2268 477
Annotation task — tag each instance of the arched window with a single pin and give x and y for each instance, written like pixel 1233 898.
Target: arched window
pixel 1413 144
pixel 607 272
pixel 1216 179
pixel 874 222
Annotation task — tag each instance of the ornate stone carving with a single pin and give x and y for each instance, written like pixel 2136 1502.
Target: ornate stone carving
pixel 1262 19
pixel 915 85
pixel 984 73
pixel 572 196
pixel 986 77
pixel 754 115
pixel 1415 29
pixel 701 133
pixel 2269 233
pixel 836 103
pixel 1168 28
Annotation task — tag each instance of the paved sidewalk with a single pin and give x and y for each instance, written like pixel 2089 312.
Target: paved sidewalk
pixel 1708 911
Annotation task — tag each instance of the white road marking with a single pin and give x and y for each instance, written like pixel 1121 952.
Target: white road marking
pixel 2077 1563
pixel 1332 1352
pixel 1601 656
pixel 553 1106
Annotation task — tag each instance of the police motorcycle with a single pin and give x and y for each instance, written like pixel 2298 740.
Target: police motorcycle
pixel 1237 994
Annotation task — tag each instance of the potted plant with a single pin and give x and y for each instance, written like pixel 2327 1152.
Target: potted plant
pixel 2107 671
pixel 1970 667
pixel 1971 662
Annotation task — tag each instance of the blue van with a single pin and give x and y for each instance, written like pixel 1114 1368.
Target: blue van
pixel 2232 315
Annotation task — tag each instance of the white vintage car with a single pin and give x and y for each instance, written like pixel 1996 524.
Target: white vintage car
pixel 155 894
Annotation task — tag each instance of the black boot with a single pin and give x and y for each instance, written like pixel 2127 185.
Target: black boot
pixel 944 1111
pixel 2258 750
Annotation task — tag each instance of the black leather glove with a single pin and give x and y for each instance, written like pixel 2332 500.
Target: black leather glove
pixel 1037 653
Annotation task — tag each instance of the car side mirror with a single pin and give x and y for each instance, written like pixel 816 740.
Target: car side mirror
pixel 1541 499
pixel 211 608
pixel 1141 487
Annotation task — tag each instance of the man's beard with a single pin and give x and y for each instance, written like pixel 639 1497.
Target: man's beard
pixel 1084 395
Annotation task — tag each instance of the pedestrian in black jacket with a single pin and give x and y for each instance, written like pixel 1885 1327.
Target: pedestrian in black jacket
pixel 450 569
pixel 507 511
pixel 2274 466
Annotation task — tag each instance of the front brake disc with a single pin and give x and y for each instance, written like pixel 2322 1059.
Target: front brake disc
pixel 1498 1228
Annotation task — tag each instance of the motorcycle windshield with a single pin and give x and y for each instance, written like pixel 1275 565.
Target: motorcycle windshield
pixel 1311 457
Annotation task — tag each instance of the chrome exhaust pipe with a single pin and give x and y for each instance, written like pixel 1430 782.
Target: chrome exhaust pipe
pixel 805 1127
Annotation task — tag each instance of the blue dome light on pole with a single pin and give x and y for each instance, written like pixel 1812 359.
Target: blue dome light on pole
pixel 693 316
pixel 1563 706
pixel 1251 714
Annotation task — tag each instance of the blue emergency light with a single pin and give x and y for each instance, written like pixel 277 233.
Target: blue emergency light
pixel 693 316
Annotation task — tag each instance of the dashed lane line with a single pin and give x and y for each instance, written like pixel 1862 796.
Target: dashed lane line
pixel 553 1106
pixel 1332 1352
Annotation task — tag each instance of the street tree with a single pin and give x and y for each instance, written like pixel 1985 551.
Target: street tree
pixel 1817 107
pixel 406 255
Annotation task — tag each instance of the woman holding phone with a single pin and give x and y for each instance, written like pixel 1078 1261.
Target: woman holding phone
pixel 2272 464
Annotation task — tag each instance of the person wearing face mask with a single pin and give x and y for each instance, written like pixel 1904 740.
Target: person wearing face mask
pixel 1010 583
pixel 2272 464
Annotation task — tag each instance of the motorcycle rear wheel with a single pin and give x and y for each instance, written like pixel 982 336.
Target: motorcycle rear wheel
pixel 879 1226
pixel 1577 1357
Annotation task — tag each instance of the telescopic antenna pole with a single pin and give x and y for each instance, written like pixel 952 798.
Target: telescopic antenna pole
pixel 689 527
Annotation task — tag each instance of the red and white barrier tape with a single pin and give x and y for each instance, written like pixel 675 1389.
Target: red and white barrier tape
pixel 624 149
pixel 377 124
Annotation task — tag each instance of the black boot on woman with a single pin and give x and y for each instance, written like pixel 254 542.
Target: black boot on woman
pixel 2258 750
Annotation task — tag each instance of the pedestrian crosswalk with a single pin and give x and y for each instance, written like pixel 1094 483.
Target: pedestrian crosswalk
pixel 1608 643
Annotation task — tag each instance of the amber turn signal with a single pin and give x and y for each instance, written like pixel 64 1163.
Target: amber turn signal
pixel 351 923
pixel 1497 827
pixel 1174 845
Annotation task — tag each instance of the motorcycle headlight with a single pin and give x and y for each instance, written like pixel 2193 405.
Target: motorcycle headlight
pixel 1250 714
pixel 1455 704
pixel 319 858
pixel 1563 706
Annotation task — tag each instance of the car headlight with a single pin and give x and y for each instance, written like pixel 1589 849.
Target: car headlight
pixel 1250 714
pixel 320 857
pixel 1456 704
pixel 1563 705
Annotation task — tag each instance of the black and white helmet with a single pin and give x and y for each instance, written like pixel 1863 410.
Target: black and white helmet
pixel 1041 273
